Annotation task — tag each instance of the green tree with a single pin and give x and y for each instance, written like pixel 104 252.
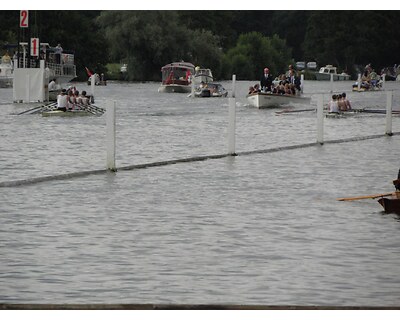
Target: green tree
pixel 253 52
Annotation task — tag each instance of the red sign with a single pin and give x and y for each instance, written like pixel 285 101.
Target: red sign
pixel 24 18
pixel 34 47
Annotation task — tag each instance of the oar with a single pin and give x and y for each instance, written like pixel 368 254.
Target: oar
pixel 33 109
pixel 294 110
pixel 373 196
pixel 38 109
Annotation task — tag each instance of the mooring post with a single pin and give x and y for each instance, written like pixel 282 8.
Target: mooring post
pixel 302 83
pixel 192 86
pixel 331 82
pixel 359 82
pixel 234 86
pixel 92 84
pixel 232 126
pixel 320 119
pixel 389 103
pixel 111 139
pixel 383 81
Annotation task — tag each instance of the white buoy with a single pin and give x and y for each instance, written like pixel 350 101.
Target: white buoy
pixel 234 86
pixel 384 81
pixel 232 126
pixel 110 135
pixel 192 92
pixel 359 81
pixel 320 119
pixel 389 103
pixel 331 82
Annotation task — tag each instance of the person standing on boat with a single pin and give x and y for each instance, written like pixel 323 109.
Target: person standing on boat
pixel 266 81
pixel 57 51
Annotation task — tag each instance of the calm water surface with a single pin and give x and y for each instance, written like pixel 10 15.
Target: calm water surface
pixel 254 229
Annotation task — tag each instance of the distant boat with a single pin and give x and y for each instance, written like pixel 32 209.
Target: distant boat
pixel 325 73
pixel 268 100
pixel 176 77
pixel 202 75
pixel 210 90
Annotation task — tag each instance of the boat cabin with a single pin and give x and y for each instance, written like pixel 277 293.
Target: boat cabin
pixel 179 73
pixel 328 69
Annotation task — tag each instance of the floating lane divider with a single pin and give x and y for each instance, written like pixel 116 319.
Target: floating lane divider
pixel 31 181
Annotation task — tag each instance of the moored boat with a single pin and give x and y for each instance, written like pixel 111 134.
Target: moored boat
pixel 176 77
pixel 326 72
pixel 263 100
pixel 391 205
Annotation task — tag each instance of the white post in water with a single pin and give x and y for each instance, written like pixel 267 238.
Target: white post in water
pixel 92 83
pixel 331 82
pixel 384 81
pixel 389 102
pixel 192 93
pixel 28 88
pixel 320 119
pixel 234 86
pixel 302 83
pixel 110 127
pixel 232 126
pixel 359 82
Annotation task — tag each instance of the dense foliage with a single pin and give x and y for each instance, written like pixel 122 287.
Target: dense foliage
pixel 240 42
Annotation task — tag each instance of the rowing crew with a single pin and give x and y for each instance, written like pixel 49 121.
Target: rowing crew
pixel 339 103
pixel 72 100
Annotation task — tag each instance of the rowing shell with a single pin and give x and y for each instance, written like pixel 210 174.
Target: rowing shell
pixel 60 113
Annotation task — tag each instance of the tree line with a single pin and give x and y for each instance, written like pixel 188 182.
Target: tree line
pixel 228 42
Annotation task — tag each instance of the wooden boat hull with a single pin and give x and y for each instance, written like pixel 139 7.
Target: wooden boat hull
pixel 263 100
pixel 390 205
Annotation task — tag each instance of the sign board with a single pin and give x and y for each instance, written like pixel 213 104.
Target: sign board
pixel 34 47
pixel 24 19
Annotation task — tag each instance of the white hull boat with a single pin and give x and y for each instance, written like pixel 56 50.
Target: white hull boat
pixel 326 72
pixel 263 100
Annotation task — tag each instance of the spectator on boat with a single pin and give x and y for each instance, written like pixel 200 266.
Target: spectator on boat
pixel 294 80
pixel 365 79
pixel 6 58
pixel 266 81
pixel 52 85
pixel 397 182
pixel 333 105
pixel 374 78
pixel 62 100
pixel 254 89
pixel 57 51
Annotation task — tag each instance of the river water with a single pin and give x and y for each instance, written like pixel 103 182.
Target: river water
pixel 258 229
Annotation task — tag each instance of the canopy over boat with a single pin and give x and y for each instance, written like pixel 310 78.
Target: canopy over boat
pixel 176 77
